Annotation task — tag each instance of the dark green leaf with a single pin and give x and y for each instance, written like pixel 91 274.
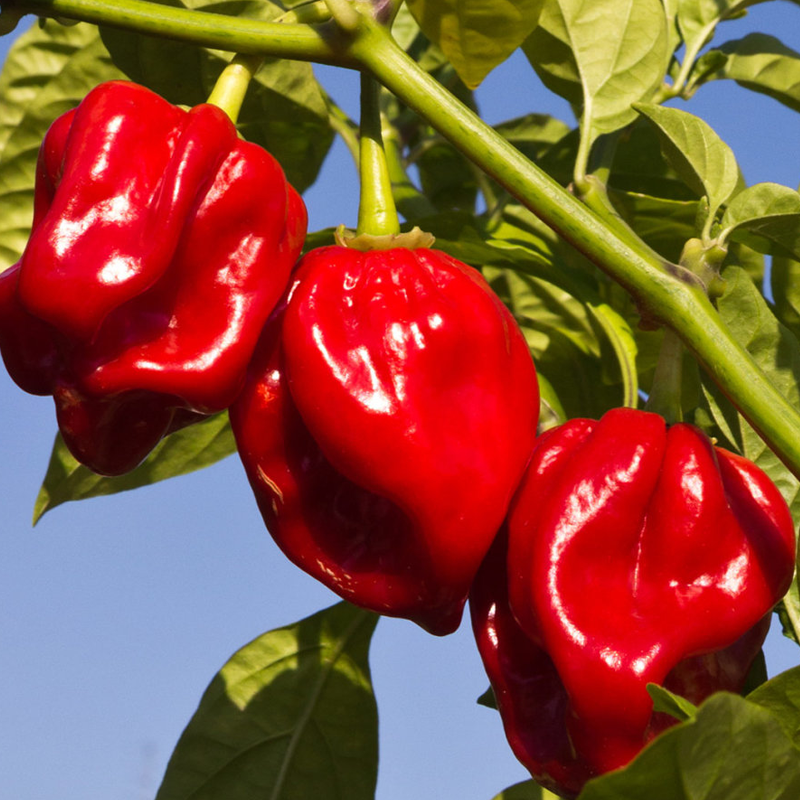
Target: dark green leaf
pixel 763 64
pixel 602 57
pixel 187 450
pixel 704 162
pixel 551 410
pixel 618 347
pixel 476 35
pixel 284 110
pixel 766 217
pixel 673 704
pixel 781 696
pixel 291 716
pixel 48 72
pixel 533 134
pixel 488 699
pixel 732 750
pixel 785 284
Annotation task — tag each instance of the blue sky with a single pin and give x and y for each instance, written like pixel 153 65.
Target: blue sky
pixel 115 613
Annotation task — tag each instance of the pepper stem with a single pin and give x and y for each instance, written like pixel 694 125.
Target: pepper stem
pixel 377 214
pixel 231 86
pixel 665 393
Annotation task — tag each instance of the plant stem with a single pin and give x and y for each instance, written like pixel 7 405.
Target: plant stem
pixel 231 86
pixel 234 34
pixel 377 214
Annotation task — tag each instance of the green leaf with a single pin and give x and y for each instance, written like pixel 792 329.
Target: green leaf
pixel 602 57
pixel 673 704
pixel 533 134
pixel 527 790
pixel 48 72
pixel 697 19
pixel 781 696
pixel 290 716
pixel 763 64
pixel 488 699
pixel 766 217
pixel 618 334
pixel 704 162
pixel 476 35
pixel 777 352
pixel 732 750
pixel 785 285
pixel 665 225
pixel 284 110
pixel 187 450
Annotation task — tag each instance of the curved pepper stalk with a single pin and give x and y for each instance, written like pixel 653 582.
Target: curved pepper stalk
pixel 386 422
pixel 636 554
pixel 160 244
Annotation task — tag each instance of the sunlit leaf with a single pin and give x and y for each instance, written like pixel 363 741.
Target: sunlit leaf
pixel 291 716
pixel 705 163
pixel 667 702
pixel 476 35
pixel 187 450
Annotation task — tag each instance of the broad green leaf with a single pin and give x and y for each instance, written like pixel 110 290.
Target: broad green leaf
pixel 785 284
pixel 187 450
pixel 781 696
pixel 766 217
pixel 764 64
pixel 732 750
pixel 291 716
pixel 665 225
pixel 48 72
pixel 622 351
pixel 673 704
pixel 533 134
pixel 447 178
pixel 527 790
pixel 704 162
pixel 284 110
pixel 615 50
pixel 551 410
pixel 777 352
pixel 697 19
pixel 476 35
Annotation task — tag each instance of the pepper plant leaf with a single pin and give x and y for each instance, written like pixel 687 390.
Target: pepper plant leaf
pixel 618 347
pixel 667 702
pixel 291 715
pixel 766 217
pixel 704 162
pixel 763 64
pixel 777 352
pixel 187 450
pixel 697 19
pixel 732 750
pixel 781 696
pixel 284 110
pixel 602 57
pixel 48 71
pixel 476 35
pixel 785 285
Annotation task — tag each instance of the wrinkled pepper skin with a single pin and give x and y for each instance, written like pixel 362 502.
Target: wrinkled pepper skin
pixel 637 553
pixel 160 244
pixel 384 427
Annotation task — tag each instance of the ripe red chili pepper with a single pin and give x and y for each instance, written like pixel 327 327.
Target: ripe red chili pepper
pixel 160 245
pixel 636 554
pixel 386 422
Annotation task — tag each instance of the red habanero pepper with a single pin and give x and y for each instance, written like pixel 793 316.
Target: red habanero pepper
pixel 637 554
pixel 387 420
pixel 160 245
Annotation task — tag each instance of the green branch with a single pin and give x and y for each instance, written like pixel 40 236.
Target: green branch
pixel 665 293
pixel 322 44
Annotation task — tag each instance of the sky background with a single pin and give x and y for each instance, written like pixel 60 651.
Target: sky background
pixel 115 613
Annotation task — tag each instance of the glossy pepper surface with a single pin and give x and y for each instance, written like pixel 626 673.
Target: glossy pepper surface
pixel 636 553
pixel 160 245
pixel 386 422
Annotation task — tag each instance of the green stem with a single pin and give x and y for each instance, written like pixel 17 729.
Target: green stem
pixel 665 393
pixel 668 294
pixel 234 34
pixel 231 86
pixel 377 214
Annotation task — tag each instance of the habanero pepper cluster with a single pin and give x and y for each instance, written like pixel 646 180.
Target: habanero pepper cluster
pixel 385 406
